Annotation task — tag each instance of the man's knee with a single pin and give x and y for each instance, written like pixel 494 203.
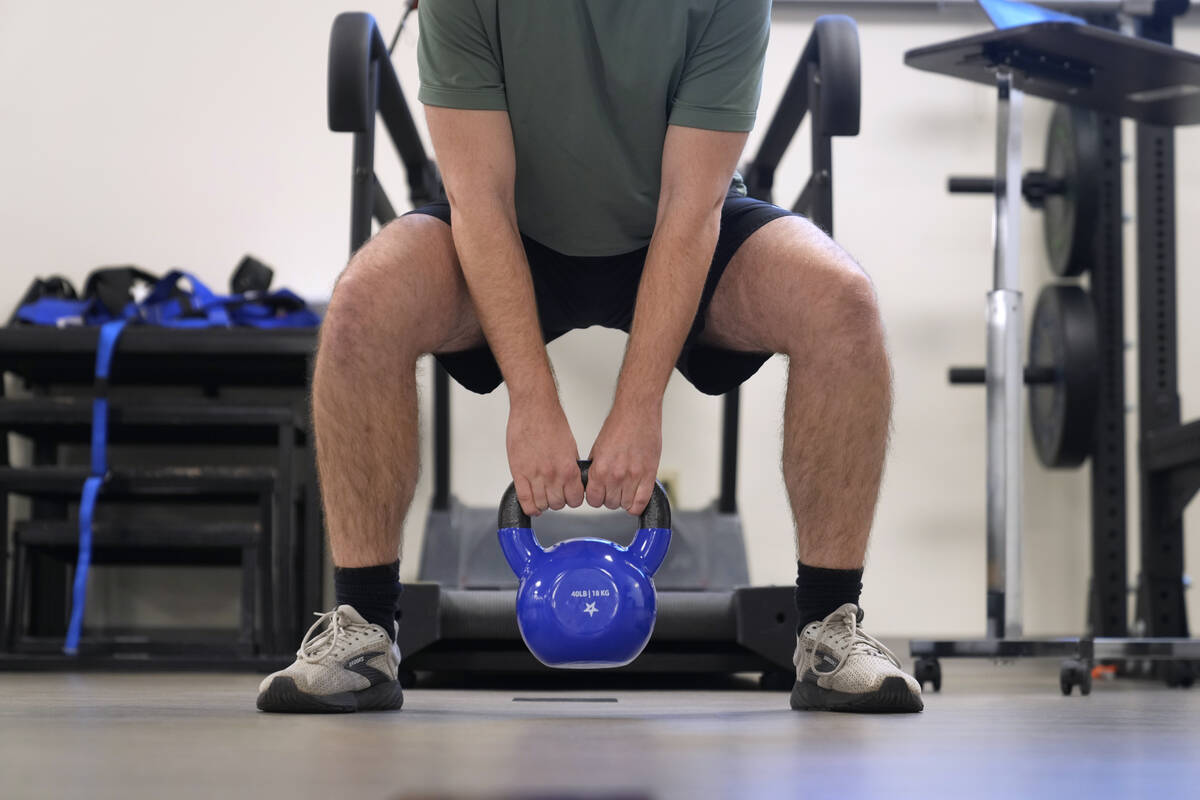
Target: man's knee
pixel 846 314
pixel 857 300
pixel 383 295
pixel 353 320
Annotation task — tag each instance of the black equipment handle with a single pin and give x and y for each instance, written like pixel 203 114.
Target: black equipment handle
pixel 961 185
pixel 1033 375
pixel 831 61
pixel 1036 186
pixel 657 513
pixel 356 49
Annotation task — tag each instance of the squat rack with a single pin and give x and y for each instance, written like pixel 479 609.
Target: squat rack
pixel 1079 65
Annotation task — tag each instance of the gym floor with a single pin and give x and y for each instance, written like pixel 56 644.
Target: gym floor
pixel 991 732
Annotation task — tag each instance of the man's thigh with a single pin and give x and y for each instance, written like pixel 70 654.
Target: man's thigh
pixel 779 285
pixel 407 279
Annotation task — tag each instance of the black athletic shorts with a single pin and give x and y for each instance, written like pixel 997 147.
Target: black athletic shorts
pixel 581 291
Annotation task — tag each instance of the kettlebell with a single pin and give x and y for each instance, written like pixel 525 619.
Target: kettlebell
pixel 585 603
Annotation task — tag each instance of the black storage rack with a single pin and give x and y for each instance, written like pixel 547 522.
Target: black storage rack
pixel 243 388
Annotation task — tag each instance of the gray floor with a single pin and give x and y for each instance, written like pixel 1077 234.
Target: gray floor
pixel 992 732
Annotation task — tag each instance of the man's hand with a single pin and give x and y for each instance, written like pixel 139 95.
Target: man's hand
pixel 543 456
pixel 625 458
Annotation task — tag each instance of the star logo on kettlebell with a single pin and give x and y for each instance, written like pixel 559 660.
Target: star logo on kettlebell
pixel 591 610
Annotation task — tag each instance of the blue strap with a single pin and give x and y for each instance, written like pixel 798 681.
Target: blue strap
pixel 279 309
pixel 60 312
pixel 99 436
pixel 164 307
pixel 256 315
pixel 110 332
pixel 87 507
pixel 159 308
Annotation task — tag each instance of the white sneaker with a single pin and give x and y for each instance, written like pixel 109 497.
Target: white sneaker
pixel 841 668
pixel 348 665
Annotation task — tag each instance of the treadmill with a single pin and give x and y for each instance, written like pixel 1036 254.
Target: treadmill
pixel 458 620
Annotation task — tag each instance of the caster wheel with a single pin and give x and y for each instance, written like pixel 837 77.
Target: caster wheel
pixel 407 678
pixel 776 681
pixel 1074 673
pixel 1179 674
pixel 1085 681
pixel 928 671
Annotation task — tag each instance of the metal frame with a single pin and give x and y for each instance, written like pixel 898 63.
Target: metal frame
pixel 1005 376
pixel 1108 597
pixel 1169 467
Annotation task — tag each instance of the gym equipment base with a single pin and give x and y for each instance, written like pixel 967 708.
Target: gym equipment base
pixel 465 631
pixel 1173 658
pixel 143 650
pixel 1098 649
pixel 460 617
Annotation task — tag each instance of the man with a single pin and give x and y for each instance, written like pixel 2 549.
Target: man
pixel 588 150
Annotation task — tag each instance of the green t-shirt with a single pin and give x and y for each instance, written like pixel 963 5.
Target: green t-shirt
pixel 590 87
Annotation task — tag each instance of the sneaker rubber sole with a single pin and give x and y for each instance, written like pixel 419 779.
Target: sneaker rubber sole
pixel 282 696
pixel 892 697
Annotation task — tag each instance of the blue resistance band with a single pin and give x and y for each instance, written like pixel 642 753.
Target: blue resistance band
pixel 109 333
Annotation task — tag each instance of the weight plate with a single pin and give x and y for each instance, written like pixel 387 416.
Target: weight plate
pixel 1069 216
pixel 1063 336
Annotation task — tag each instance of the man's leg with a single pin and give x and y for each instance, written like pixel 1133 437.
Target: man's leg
pixel 402 295
pixel 790 289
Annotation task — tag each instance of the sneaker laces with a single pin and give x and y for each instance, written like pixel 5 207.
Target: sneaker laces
pixel 847 636
pixel 316 645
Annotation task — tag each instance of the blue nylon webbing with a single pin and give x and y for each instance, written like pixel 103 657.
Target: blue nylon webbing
pixel 87 506
pixel 99 436
pixel 109 333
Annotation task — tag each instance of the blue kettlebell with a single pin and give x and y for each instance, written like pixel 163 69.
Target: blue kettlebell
pixel 586 603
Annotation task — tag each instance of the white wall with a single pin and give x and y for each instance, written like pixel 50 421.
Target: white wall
pixel 169 134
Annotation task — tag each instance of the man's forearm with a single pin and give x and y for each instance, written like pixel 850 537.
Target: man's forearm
pixel 668 296
pixel 497 274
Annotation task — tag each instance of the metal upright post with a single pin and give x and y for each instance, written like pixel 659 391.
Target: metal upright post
pixel 1109 596
pixel 821 183
pixel 727 499
pixel 1162 606
pixel 362 191
pixel 1005 377
pixel 441 438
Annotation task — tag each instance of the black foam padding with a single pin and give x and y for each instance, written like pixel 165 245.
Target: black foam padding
pixel 251 275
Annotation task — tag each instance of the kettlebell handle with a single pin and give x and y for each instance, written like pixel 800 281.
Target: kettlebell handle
pixel 657 513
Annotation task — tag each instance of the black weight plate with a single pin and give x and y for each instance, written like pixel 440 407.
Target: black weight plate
pixel 1069 217
pixel 1062 414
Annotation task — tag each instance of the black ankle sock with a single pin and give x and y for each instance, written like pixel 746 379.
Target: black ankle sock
pixel 820 591
pixel 373 591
